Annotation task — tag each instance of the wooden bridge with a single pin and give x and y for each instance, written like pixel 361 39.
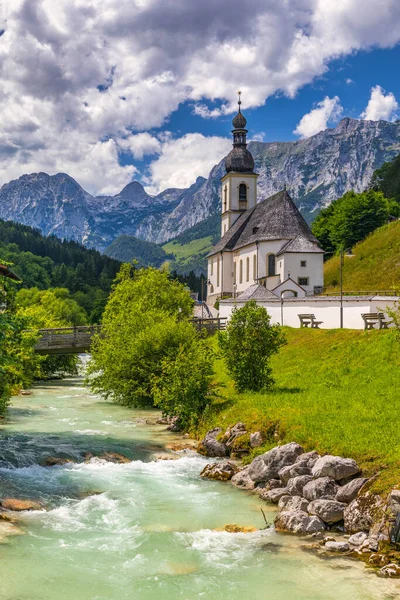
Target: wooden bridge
pixel 77 340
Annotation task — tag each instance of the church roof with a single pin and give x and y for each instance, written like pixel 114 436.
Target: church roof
pixel 275 218
pixel 256 292
pixel 300 244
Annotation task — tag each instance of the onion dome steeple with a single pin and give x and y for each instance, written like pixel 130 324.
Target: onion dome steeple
pixel 239 160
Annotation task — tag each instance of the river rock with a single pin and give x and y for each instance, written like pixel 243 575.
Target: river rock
pixel 17 505
pixel 362 512
pixel 273 495
pixel 222 471
pixel 293 471
pixel 293 503
pixel 357 539
pixel 329 511
pixel 267 465
pixel 296 485
pixel 275 483
pixel 53 461
pixel 256 439
pixel 242 480
pixel 234 432
pixel 298 522
pixel 210 446
pixel 390 570
pixel 308 459
pixel 114 457
pixel 337 546
pixel 394 502
pixel 348 492
pixel 324 487
pixel 335 466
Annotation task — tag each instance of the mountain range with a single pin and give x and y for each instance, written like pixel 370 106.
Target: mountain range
pixel 315 170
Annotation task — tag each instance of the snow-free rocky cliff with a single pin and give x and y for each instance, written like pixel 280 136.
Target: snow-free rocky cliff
pixel 315 170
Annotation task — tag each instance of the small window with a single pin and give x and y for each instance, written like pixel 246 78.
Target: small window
pixel 217 272
pixel 247 269
pixel 242 194
pixel 254 267
pixel 234 273
pixel 241 271
pixel 255 229
pixel 303 263
pixel 212 266
pixel 271 265
pixel 225 197
pixel 303 280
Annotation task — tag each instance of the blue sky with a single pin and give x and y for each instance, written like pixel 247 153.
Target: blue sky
pixel 110 91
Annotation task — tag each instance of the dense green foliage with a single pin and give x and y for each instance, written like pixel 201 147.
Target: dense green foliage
pixel 183 388
pixel 374 265
pixel 147 254
pixel 387 179
pixel 351 218
pixel 46 262
pixel 17 359
pixel 51 308
pixel 247 346
pixel 145 323
pixel 336 392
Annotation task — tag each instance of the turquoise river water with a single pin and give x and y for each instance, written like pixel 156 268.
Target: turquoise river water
pixel 144 530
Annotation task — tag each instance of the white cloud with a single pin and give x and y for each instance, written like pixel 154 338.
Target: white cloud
pixel 258 137
pixel 77 75
pixel 381 105
pixel 349 81
pixel 329 110
pixel 140 145
pixel 184 159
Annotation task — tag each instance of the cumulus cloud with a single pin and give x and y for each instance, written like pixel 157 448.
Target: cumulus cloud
pixel 80 76
pixel 184 159
pixel 381 105
pixel 327 111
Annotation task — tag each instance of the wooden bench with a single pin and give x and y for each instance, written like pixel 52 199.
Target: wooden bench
pixel 306 320
pixel 372 319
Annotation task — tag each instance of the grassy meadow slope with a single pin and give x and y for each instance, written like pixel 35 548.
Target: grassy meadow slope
pixel 337 391
pixel 374 266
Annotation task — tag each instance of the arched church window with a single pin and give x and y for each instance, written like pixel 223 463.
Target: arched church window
pixel 247 268
pixel 242 193
pixel 217 272
pixel 241 271
pixel 234 273
pixel 254 267
pixel 271 265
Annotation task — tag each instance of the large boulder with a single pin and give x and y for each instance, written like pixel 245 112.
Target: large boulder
pixel 336 467
pixel 293 471
pixel 394 502
pixel 296 485
pixel 274 495
pixel 362 512
pixel 18 505
pixel 242 480
pixel 267 465
pixel 210 446
pixel 357 539
pixel 292 503
pixel 221 471
pixel 308 459
pixel 337 546
pixel 347 493
pixel 324 487
pixel 329 511
pixel 298 522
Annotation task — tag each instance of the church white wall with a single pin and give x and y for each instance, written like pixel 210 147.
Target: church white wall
pixel 272 247
pixel 243 254
pixel 326 310
pixel 314 269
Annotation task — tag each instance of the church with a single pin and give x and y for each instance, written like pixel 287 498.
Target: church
pixel 266 248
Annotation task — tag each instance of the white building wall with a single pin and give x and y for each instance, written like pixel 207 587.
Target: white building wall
pixel 314 269
pixel 242 255
pixel 326 310
pixel 272 247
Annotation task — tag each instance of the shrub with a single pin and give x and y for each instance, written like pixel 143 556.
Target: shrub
pixel 247 346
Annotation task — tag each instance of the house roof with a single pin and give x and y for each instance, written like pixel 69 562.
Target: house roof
pixel 275 218
pixel 256 292
pixel 300 244
pixel 6 272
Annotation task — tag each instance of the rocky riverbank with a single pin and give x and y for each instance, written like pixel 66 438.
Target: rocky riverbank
pixel 326 497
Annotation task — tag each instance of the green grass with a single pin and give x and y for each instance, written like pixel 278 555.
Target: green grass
pixel 375 265
pixel 337 391
pixel 183 252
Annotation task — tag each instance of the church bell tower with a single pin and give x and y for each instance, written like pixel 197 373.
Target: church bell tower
pixel 239 185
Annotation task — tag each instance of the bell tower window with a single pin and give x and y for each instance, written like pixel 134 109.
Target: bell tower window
pixel 225 197
pixel 242 195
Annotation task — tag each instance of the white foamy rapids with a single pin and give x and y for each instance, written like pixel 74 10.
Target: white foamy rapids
pixel 223 549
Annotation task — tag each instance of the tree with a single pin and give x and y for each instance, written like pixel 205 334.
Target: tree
pixel 387 179
pixel 184 387
pixel 351 218
pixel 247 346
pixel 145 323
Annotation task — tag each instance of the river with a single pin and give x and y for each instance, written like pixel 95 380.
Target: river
pixel 145 530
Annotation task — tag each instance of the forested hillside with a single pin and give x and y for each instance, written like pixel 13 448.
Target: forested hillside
pixel 48 262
